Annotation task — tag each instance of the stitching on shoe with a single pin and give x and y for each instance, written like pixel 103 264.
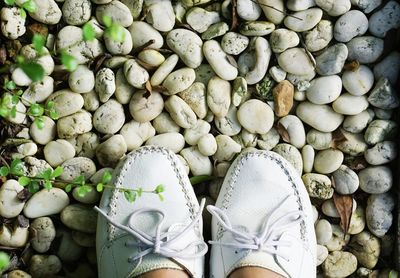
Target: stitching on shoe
pixel 233 179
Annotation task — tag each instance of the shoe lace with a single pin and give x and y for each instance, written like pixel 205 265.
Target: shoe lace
pixel 160 244
pixel 265 240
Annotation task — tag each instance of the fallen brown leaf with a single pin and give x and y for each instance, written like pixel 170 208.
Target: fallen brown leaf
pixel 283 132
pixel 148 87
pixel 337 138
pixel 235 20
pixel 344 206
pixel 352 66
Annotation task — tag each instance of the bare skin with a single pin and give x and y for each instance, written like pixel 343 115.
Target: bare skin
pixel 244 272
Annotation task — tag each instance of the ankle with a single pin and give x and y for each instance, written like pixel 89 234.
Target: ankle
pixel 165 273
pixel 253 272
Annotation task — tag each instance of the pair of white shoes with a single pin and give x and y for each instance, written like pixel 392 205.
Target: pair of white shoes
pixel 262 218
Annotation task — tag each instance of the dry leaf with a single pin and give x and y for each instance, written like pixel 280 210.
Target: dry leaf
pixel 144 64
pixel 344 206
pixel 148 87
pixel 232 61
pixel 337 138
pixel 235 20
pixel 283 132
pixel 357 163
pixel 352 66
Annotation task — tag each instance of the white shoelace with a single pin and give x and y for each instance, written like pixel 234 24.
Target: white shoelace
pixel 265 240
pixel 159 244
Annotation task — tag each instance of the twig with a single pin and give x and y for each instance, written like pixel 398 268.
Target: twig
pixel 276 9
pixel 140 48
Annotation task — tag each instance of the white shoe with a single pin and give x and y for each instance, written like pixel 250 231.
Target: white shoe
pixel 263 218
pixel 149 234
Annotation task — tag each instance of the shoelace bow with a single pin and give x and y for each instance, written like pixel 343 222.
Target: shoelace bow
pixel 159 244
pixel 264 241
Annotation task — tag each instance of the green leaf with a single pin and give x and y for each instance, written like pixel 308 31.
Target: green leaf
pixel 79 180
pixel 9 2
pixel 106 178
pixel 68 188
pixel 88 32
pixel 107 21
pixel 24 181
pixel 199 179
pixel 13 112
pixel 39 123
pixel 83 190
pixel 16 167
pixel 46 174
pixel 38 42
pixel 4 111
pixel 14 99
pixel 4 171
pixel 10 85
pixel 33 187
pixel 99 187
pixel 50 105
pixel 48 185
pixel 57 172
pixel 159 189
pixel 4 260
pixel 69 61
pixel 22 13
pixel 130 196
pixel 19 93
pixel 36 110
pixel 33 70
pixel 139 192
pixel 116 32
pixel 53 114
pixel 161 197
pixel 393 274
pixel 30 6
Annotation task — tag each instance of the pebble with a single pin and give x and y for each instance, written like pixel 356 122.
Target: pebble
pixel 348 104
pixel 10 206
pixel 199 164
pixel 160 14
pixel 123 90
pixel 219 96
pixel 346 180
pixel 151 57
pixel 135 74
pixel 207 145
pixel 382 153
pixel 379 213
pixel 329 208
pixel 195 97
pixel 75 124
pixel 142 32
pixel 291 154
pixel 295 130
pixel 318 186
pixel 44 265
pixel 109 117
pixel 12 23
pixel 85 144
pixel 172 140
pixel 44 234
pixel 91 197
pixel 66 102
pixel 110 151
pixel 328 161
pixel 295 61
pixel 324 90
pixel 272 14
pixel 227 148
pixel 18 274
pixel 67 250
pixel 33 166
pixel 309 18
pixel 179 80
pixel 389 67
pixel 136 133
pixel 334 7
pixel 366 49
pixel 268 140
pixel 283 98
pixel 354 144
pixel 383 95
pixel 145 107
pixel 164 70
pixel 38 91
pixel 164 123
pixel 84 239
pixel 282 39
pixel 379 131
pixel 350 25
pixel 256 28
pixel 320 117
pixel 323 231
pixel 80 218
pixel 358 82
pixel 308 155
pixel 116 47
pixel 76 167
pixel 255 116
pixel 180 112
pixel 319 37
pixel 44 135
pixel 248 10
pixel 47 12
pixel 188 45
pixel 357 123
pixel 367 6
pixel 200 19
pixel 385 19
pixel 219 60
pixel 119 13
pixel 76 12
pixel 319 140
pixel 81 80
pixel 27 149
pixel 366 247
pixel 339 264
pixel 228 125
pixel 234 43
pixel 46 202
pixel 339 239
pixel 332 60
pixel 357 221
pixel 56 152
pixel 322 254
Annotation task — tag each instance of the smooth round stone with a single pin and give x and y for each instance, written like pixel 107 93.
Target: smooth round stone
pixel 339 239
pixel 268 140
pixel 85 144
pixel 256 28
pixel 67 250
pixel 45 233
pixel 75 124
pixel 234 43
pixel 195 97
pixel 180 112
pixel 382 153
pixel 295 61
pixel 160 14
pixel 365 49
pixel 308 155
pixel 207 145
pixel 228 125
pixel 273 15
pixel 80 218
pixel 204 73
pixel 358 82
pixel 295 130
pixel 46 202
pixel 56 152
pixel 179 80
pixel 383 95
pixel 199 164
pixel 12 23
pixel 366 248
pixel 319 37
pixel 77 166
pixel 359 122
pixel 318 186
pixel 118 47
pixel 282 39
pixel 248 10
pixel 323 231
pixel 322 254
pixel 334 7
pixel 44 265
pixel 328 161
pixel 46 11
pixel 193 135
pixel 348 104
pixel 142 32
pixel 44 135
pixel 379 213
pixel 188 45
pixel 123 90
pixel 246 139
pixel 119 13
pixel 172 140
pixel 385 19
pixel 346 180
pixel 164 123
pixel 81 80
pixel 91 197
pixel 10 206
pixel 145 108
pixel 354 144
pixel 376 180
pixel 111 151
pixel 324 90
pixel 38 91
pixel 135 74
pixel 309 18
pixel 164 70
pixel 109 118
pixel 380 130
pixel 227 148
pixel 219 96
pixel 383 114
pixel 352 24
pixel 319 140
pixel 367 5
pixel 91 101
pixel 66 102
pixel 291 154
pixel 219 61
pixel 76 12
pixel 256 116
pixel 329 208
pixel 389 67
pixel 151 57
pixel 320 117
pixel 299 5
pixel 339 264
pixel 357 221
pixel 200 19
pixel 332 60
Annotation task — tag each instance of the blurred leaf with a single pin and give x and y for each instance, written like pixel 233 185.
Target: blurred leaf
pixel 159 189
pixel 235 19
pixel 53 115
pixel 393 274
pixel 161 197
pixel 344 206
pixel 139 192
pixel 10 85
pixel 33 187
pixel 36 110
pixel 68 188
pixel 57 172
pixel 48 185
pixel 116 32
pixel 107 21
pixel 33 70
pixel 79 180
pixel 16 167
pixel 39 123
pixel 30 6
pixel 69 62
pixel 99 187
pixel 24 181
pixel 38 42
pixel 88 32
pixel 50 105
pixel 337 138
pixel 4 171
pixel 283 132
pixel 22 13
pixel 4 261
pixel 130 196
pixel 13 112
pixel 106 178
pixel 46 174
pixel 9 2
pixel 14 99
pixel 199 179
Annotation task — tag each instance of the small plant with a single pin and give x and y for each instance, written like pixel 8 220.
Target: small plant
pixel 4 261
pixel 27 6
pixel 50 177
pixel 113 30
